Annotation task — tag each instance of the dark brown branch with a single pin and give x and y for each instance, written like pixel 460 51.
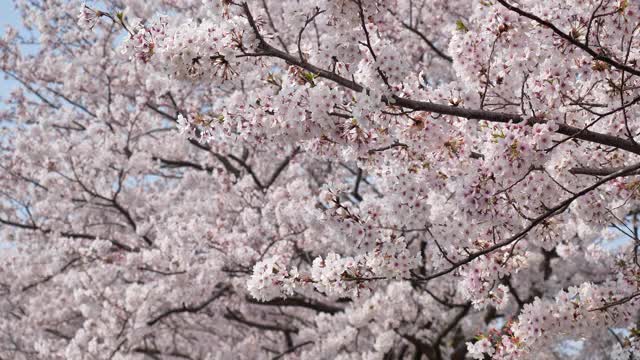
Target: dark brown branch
pixel 249 169
pixel 443 301
pixel 384 148
pixel 597 171
pixel 429 43
pixel 18 225
pixel 225 162
pixel 189 309
pixel 182 163
pixel 535 222
pixel 364 28
pixel 275 174
pixel 308 21
pixel 298 302
pixel 281 167
pixel 70 235
pixel 51 276
pixel 356 187
pixel 32 90
pixel 273 27
pixel 570 39
pixel 421 346
pixel 291 349
pixel 452 324
pixel 57 333
pixel 72 102
pixel 624 300
pixel 473 114
pixel 232 315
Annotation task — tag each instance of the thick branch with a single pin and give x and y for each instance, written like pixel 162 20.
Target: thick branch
pixel 571 39
pixel 473 114
pixel 535 222
pixel 231 315
pixel 291 349
pixel 189 309
pixel 70 235
pixel 299 302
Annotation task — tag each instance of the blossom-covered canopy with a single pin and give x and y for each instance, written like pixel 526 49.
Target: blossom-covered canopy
pixel 321 179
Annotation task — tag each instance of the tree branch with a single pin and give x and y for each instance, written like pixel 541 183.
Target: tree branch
pixel 472 114
pixel 570 39
pixel 189 309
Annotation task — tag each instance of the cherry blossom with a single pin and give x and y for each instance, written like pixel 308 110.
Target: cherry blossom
pixel 347 179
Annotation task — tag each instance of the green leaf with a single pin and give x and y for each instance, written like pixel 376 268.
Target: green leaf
pixel 623 5
pixel 460 26
pixel 310 77
pixel 498 135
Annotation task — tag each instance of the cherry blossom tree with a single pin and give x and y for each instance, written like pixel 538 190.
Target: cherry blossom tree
pixel 321 179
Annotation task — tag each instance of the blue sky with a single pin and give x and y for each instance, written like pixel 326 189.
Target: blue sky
pixel 8 16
